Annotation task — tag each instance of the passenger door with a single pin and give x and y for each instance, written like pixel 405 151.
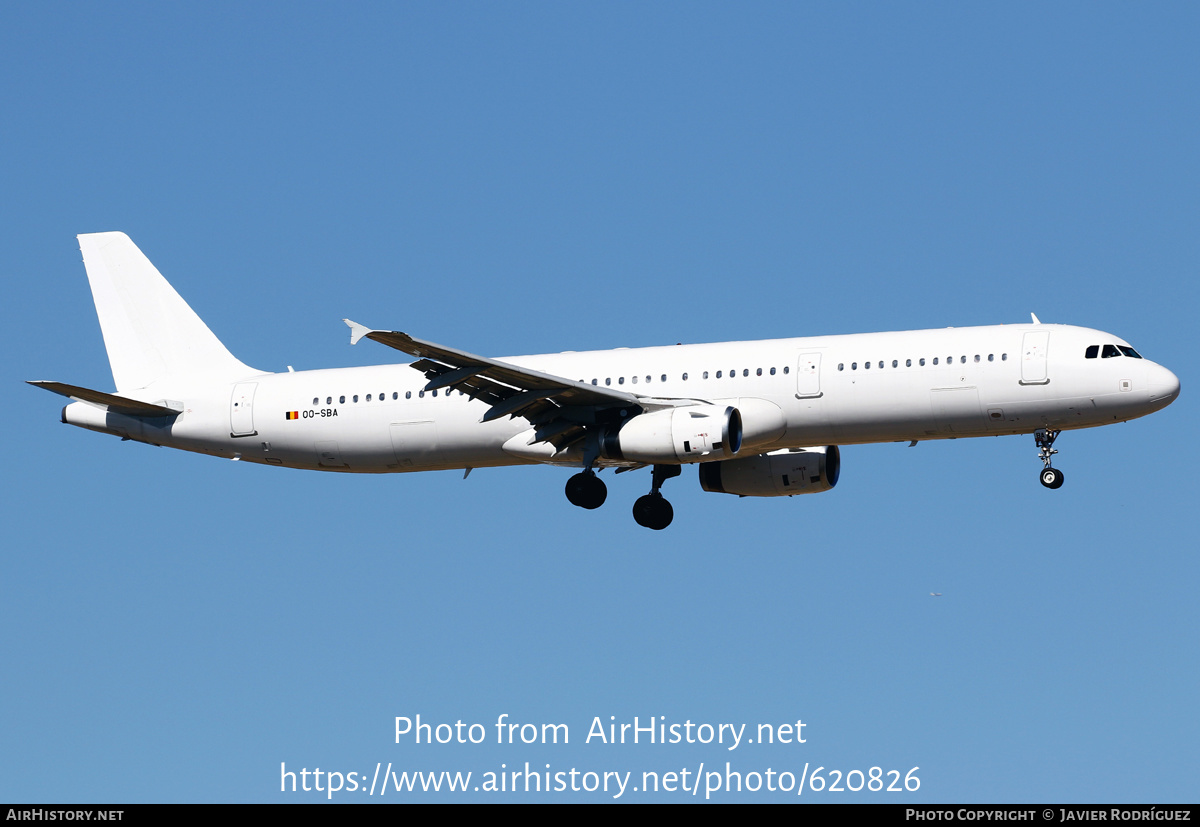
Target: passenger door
pixel 1034 350
pixel 241 410
pixel 808 376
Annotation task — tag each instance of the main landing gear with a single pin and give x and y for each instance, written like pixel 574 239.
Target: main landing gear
pixel 652 510
pixel 1051 477
pixel 586 490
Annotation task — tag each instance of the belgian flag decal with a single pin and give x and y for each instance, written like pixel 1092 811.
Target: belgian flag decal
pixel 292 415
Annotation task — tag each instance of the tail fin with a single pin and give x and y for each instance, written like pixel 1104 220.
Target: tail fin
pixel 149 330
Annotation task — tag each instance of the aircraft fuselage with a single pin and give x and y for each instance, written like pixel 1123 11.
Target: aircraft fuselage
pixel 848 389
pixel 760 418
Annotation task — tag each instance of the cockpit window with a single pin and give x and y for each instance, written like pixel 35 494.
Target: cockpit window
pixel 1110 351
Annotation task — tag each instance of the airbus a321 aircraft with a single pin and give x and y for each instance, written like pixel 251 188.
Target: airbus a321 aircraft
pixel 758 419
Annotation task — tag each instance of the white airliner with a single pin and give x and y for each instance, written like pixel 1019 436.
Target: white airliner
pixel 746 413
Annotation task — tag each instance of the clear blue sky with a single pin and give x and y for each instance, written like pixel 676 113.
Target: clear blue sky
pixel 524 178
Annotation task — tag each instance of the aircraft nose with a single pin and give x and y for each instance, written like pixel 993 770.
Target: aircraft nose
pixel 1164 385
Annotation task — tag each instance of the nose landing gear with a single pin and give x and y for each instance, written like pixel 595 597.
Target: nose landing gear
pixel 1050 477
pixel 652 510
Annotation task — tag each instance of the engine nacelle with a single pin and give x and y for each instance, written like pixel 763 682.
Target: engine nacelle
pixel 677 435
pixel 763 422
pixel 783 473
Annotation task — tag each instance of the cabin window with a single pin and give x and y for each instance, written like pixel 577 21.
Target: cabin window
pixel 935 360
pixel 895 364
pixel 772 371
pixel 1130 352
pixel 1003 357
pixel 421 394
pixel 633 379
pixel 1109 352
pixel 758 372
pixel 991 357
pixel 595 382
pixel 718 374
pixel 408 394
pixel 976 357
pixel 908 363
pixel 854 366
pixel 745 371
pixel 841 365
pixel 395 395
pixel 368 397
pixel 866 365
pixel 921 362
pixel 786 369
pixel 648 380
pixel 685 377
pixel 341 400
pixel 608 381
pixel 664 377
pixel 435 393
pixel 316 400
pixel 621 380
pixel 704 375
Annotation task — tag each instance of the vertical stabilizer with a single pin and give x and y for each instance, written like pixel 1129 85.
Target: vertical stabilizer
pixel 149 330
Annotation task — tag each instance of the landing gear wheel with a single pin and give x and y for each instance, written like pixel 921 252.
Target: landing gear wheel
pixel 1052 478
pixel 653 511
pixel 586 490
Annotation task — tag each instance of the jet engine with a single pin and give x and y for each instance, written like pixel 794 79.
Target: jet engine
pixel 782 473
pixel 676 435
pixel 763 422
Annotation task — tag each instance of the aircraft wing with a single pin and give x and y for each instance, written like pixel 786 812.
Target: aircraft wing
pixel 511 390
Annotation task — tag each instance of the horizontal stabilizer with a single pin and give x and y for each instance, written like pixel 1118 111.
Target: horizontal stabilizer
pixel 108 401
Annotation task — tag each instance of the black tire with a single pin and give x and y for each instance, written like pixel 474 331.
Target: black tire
pixel 1052 478
pixel 586 490
pixel 653 511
